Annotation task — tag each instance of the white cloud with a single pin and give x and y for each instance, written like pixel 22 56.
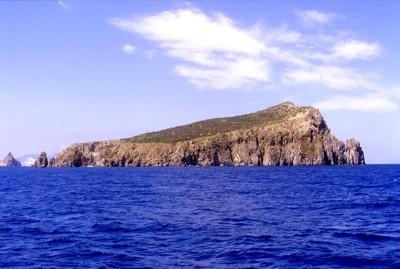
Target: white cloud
pixel 128 48
pixel 190 29
pixel 330 76
pixel 215 45
pixel 213 52
pixel 289 37
pixel 355 49
pixel 368 103
pixel 346 51
pixel 283 34
pixel 286 56
pixel 315 17
pixel 63 4
pixel 240 73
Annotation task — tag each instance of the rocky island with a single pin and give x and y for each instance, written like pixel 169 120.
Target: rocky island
pixel 10 161
pixel 284 135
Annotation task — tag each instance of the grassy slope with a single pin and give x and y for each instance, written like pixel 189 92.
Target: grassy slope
pixel 219 125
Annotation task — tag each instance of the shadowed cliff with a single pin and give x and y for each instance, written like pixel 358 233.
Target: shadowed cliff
pixel 285 134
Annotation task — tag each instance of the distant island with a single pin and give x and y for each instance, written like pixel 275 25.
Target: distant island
pixel 10 161
pixel 282 135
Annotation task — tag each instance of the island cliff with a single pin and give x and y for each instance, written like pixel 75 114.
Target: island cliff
pixel 285 134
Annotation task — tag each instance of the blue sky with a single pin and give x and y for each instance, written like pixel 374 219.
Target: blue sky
pixel 75 71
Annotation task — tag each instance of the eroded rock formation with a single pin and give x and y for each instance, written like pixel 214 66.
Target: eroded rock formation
pixel 354 153
pixel 42 161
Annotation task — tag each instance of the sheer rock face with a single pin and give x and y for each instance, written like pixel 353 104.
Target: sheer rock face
pixel 42 161
pixel 302 138
pixel 10 161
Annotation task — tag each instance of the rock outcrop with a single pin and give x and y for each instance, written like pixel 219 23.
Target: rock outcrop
pixel 42 161
pixel 52 161
pixel 10 161
pixel 281 135
pixel 354 153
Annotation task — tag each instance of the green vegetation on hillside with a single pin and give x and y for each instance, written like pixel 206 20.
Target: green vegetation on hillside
pixel 218 125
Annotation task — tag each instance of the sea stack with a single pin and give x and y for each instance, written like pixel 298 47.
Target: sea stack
pixel 281 135
pixel 10 161
pixel 42 161
pixel 354 152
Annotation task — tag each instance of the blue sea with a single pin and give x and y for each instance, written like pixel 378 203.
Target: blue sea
pixel 216 217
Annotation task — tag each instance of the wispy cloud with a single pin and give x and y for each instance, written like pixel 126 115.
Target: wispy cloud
pixel 214 52
pixel 283 34
pixel 240 72
pixel 349 50
pixel 63 4
pixel 315 17
pixel 355 49
pixel 330 76
pixel 368 103
pixel 128 48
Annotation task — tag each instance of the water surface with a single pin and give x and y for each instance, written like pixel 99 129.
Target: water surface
pixel 278 217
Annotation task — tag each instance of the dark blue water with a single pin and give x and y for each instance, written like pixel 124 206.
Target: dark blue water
pixel 283 217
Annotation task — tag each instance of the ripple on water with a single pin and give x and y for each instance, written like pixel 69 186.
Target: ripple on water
pixel 4 229
pixel 365 236
pixel 61 240
pixel 111 227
